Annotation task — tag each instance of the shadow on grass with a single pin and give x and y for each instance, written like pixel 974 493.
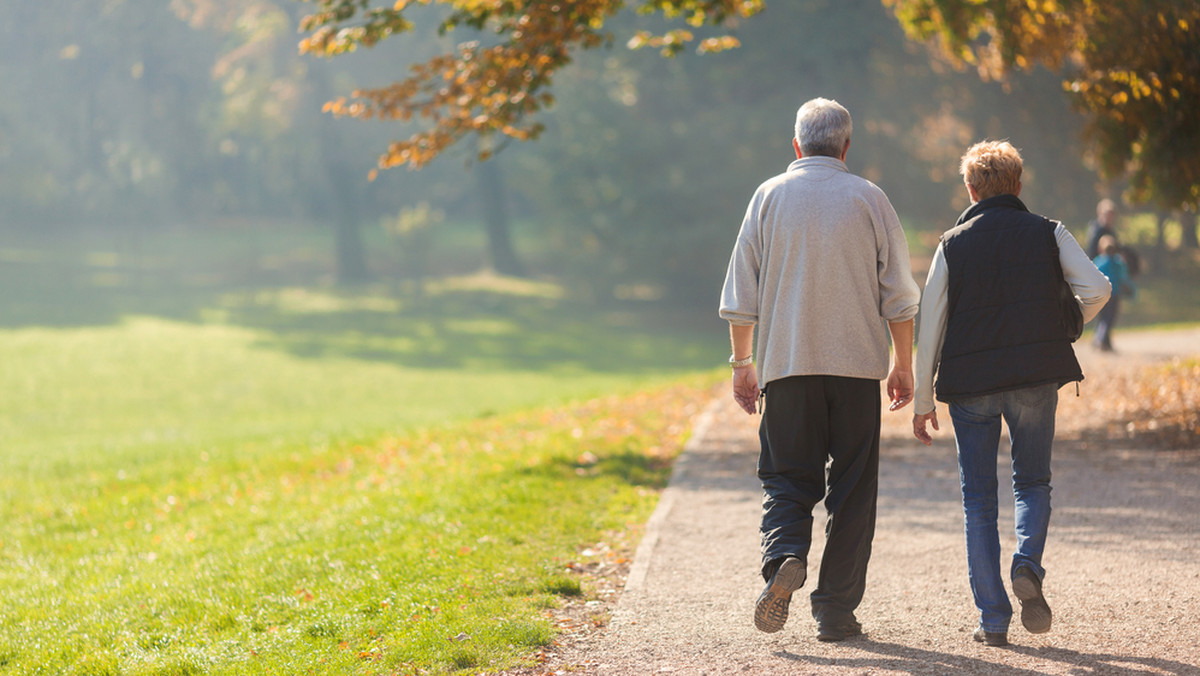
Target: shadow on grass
pixel 486 330
pixel 289 300
pixel 628 467
pixel 96 277
pixel 65 296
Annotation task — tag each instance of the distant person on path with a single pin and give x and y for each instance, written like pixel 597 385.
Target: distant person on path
pixel 991 330
pixel 1112 264
pixel 821 267
pixel 1105 223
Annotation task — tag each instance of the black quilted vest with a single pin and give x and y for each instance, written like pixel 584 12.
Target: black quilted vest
pixel 1003 330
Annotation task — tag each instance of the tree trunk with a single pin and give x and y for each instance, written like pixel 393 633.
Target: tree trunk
pixel 1158 255
pixel 1161 243
pixel 1187 219
pixel 346 188
pixel 351 254
pixel 495 217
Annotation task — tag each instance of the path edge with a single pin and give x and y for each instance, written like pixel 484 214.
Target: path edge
pixel 666 501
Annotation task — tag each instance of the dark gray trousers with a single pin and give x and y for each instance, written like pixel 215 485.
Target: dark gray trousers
pixel 820 439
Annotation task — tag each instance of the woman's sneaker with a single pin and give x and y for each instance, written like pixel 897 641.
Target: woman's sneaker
pixel 1035 612
pixel 995 639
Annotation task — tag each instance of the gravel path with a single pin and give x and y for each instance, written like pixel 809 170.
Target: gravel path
pixel 1123 561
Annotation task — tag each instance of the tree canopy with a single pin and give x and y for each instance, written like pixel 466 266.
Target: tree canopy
pixel 138 114
pixel 490 89
pixel 1133 66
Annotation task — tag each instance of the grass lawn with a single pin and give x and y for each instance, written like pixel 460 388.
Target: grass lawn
pixel 205 477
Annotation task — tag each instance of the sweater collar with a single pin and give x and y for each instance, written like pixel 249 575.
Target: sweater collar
pixel 817 161
pixel 1006 201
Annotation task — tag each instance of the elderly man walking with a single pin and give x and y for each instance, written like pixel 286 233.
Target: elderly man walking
pixel 993 331
pixel 821 267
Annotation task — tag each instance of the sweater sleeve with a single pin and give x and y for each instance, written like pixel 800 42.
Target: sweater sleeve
pixel 1091 287
pixel 739 297
pixel 899 295
pixel 934 306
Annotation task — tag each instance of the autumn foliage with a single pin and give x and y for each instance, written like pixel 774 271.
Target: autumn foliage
pixel 1132 65
pixel 491 90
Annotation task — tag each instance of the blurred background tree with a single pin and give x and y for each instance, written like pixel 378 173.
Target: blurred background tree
pixel 645 163
pixel 494 85
pixel 133 118
pixel 1133 66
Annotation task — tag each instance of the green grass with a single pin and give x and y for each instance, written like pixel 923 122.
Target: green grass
pixel 347 559
pixel 201 473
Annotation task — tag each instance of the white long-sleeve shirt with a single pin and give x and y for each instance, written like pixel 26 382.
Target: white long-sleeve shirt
pixel 1091 289
pixel 821 266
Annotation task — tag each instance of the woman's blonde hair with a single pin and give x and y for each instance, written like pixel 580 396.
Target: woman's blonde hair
pixel 992 168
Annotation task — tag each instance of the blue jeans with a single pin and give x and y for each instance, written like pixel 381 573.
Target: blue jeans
pixel 1029 413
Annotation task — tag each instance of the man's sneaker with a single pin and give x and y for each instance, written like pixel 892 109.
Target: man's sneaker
pixel 992 638
pixel 1035 612
pixel 771 611
pixel 841 631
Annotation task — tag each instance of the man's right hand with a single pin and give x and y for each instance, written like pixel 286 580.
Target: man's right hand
pixel 745 388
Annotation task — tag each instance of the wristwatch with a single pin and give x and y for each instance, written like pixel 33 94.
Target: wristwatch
pixel 738 363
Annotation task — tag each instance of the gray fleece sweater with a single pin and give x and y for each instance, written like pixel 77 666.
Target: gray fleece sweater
pixel 821 266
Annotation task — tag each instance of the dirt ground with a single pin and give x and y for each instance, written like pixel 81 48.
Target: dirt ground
pixel 1122 560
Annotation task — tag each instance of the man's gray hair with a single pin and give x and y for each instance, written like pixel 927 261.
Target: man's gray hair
pixel 823 127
